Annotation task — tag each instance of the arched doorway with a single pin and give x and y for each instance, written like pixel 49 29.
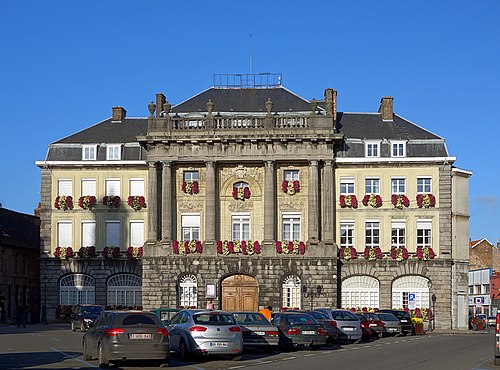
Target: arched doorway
pixel 240 293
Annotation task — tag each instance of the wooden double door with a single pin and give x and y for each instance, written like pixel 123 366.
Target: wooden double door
pixel 240 293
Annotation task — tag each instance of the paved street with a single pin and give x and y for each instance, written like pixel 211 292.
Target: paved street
pixel 57 347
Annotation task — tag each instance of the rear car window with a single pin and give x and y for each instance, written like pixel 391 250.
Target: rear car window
pixel 344 316
pixel 318 315
pixel 136 319
pixel 387 317
pixel 301 319
pixel 401 314
pixel 92 310
pixel 251 319
pixel 213 318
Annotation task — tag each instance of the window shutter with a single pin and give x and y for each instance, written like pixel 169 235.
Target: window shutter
pixel 426 225
pixel 190 220
pixel 136 234
pixel 398 225
pixel 113 234
pixel 64 238
pixel 112 187
pixel 88 187
pixel 137 187
pixel 65 187
pixel 88 234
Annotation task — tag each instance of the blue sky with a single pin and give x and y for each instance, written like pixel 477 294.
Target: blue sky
pixel 64 64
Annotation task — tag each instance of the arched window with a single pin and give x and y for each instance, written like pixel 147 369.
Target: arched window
pixel 240 184
pixel 404 286
pixel 76 288
pixel 125 290
pixel 291 292
pixel 188 291
pixel 360 291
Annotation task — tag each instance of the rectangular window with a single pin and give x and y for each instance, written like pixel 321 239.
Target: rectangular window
pixel 424 185
pixel 372 186
pixel 398 234
pixel 113 152
pixel 88 233
pixel 346 185
pixel 113 234
pixel 291 175
pixel 398 185
pixel 190 227
pixel 89 187
pixel 136 233
pixel 89 152
pixel 372 149
pixel 398 149
pixel 65 187
pixel 372 234
pixel 64 234
pixel 113 187
pixel 191 176
pixel 291 226
pixel 424 234
pixel 241 227
pixel 347 234
pixel 137 187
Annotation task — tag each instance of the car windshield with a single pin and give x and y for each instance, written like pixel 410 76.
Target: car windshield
pixel 344 316
pixel 387 317
pixel 318 315
pixel 92 310
pixel 250 318
pixel 136 319
pixel 362 317
pixel 402 315
pixel 301 319
pixel 371 316
pixel 214 318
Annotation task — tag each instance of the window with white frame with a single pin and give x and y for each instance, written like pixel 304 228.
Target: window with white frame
pixel 137 187
pixel 398 148
pixel 89 152
pixel 124 290
pixel 88 233
pixel 292 292
pixel 112 187
pixel 114 152
pixel 75 289
pixel 347 234
pixel 402 287
pixel 291 226
pixel 424 185
pixel 190 226
pixel 424 233
pixel 291 175
pixel 191 176
pixel 360 291
pixel 372 185
pixel 372 234
pixel 188 295
pixel 241 226
pixel 398 234
pixel 88 187
pixel 372 149
pixel 347 185
pixel 64 234
pixel 113 233
pixel 65 187
pixel 398 185
pixel 136 233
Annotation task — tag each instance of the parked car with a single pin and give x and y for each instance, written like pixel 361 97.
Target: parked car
pixel 257 331
pixel 405 320
pixel 496 344
pixel 298 329
pixel 478 322
pixel 376 326
pixel 366 331
pixel 348 324
pixel 330 325
pixel 83 315
pixel 204 332
pixel 126 335
pixel 391 324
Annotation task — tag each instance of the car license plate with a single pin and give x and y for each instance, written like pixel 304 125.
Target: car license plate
pixel 140 336
pixel 348 329
pixel 403 320
pixel 373 324
pixel 218 344
pixel 260 333
pixel 308 332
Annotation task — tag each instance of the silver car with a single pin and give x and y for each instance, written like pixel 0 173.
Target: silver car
pixel 257 331
pixel 392 325
pixel 204 332
pixel 348 324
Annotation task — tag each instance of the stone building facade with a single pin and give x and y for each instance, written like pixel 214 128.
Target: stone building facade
pixel 242 197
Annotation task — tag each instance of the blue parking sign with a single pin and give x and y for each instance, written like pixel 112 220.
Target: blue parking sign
pixel 412 302
pixel 411 296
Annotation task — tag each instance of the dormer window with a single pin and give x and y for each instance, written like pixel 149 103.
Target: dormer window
pixel 89 152
pixel 398 149
pixel 113 152
pixel 372 149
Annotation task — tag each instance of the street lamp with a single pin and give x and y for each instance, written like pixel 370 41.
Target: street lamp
pixel 44 307
pixel 433 311
pixel 161 277
pixel 309 291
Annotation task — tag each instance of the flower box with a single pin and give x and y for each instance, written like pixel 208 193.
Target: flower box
pixel 399 254
pixel 136 202
pixel 290 247
pixel 426 200
pixel 64 202
pixel 187 247
pixel 111 252
pixel 373 254
pixel 191 187
pixel 348 201
pixel 64 253
pixel 400 201
pixel 134 253
pixel 86 201
pixel 241 193
pixel 238 247
pixel 290 187
pixel 348 253
pixel 111 201
pixel 373 200
pixel 87 252
pixel 425 253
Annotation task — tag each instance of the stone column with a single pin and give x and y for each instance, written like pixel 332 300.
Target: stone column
pixel 269 203
pixel 166 204
pixel 313 204
pixel 152 203
pixel 210 203
pixel 47 200
pixel 328 224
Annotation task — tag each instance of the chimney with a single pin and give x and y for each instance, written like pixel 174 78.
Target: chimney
pixel 160 100
pixel 385 109
pixel 331 104
pixel 119 114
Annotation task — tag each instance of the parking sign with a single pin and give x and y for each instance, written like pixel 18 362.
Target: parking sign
pixel 412 302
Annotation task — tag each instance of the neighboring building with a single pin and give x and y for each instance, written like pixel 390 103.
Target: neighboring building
pixel 480 291
pixel 483 254
pixel 259 164
pixel 19 265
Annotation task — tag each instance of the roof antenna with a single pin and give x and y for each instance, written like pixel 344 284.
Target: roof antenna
pixel 250 53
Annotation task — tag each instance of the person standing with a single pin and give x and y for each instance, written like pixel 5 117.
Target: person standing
pixel 267 312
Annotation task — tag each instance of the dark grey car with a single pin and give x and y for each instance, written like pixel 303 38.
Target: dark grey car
pixel 297 329
pixel 257 331
pixel 348 324
pixel 126 335
pixel 83 315
pixel 391 324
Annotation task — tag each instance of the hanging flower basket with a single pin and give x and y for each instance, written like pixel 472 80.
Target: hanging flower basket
pixel 290 187
pixel 241 193
pixel 373 254
pixel 134 253
pixel 348 201
pixel 187 247
pixel 372 200
pixel 244 247
pixel 400 201
pixel 425 253
pixel 399 254
pixel 191 187
pixel 63 202
pixel 426 200
pixel 349 253
pixel 111 252
pixel 290 247
pixel 136 202
pixel 64 253
pixel 111 201
pixel 86 201
pixel 87 252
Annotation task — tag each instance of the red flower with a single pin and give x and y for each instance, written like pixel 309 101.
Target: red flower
pixel 246 192
pixel 284 186
pixel 199 247
pixel 111 201
pixel 348 201
pixel 279 248
pixel 195 187
pixel 302 248
pixel 400 201
pixel 175 247
pixel 426 200
pixel 290 247
pixel 256 247
pixel 219 247
pixel 230 247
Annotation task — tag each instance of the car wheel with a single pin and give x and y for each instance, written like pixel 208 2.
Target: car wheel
pixel 269 350
pixel 85 355
pixel 73 328
pixel 82 327
pixel 103 361
pixel 183 351
pixel 496 361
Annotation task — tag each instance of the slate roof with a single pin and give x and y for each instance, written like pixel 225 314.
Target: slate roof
pixel 19 230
